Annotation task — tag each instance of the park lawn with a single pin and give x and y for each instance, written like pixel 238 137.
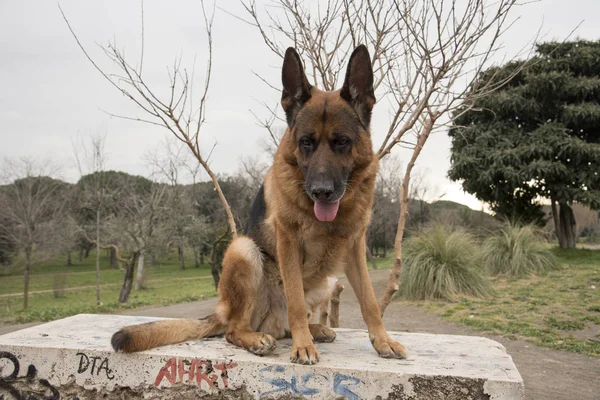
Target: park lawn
pixel 560 310
pixel 84 274
pixel 163 285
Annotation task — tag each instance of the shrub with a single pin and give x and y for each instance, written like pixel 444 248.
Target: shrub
pixel 443 264
pixel 518 250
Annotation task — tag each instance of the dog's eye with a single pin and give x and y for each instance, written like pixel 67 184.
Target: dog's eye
pixel 305 142
pixel 342 141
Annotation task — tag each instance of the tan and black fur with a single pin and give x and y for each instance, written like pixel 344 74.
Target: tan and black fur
pixel 281 268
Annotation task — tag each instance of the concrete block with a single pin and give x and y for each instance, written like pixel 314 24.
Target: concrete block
pixel 72 359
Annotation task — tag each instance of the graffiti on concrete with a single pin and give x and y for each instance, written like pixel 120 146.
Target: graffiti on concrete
pixel 197 371
pixel 308 384
pixel 297 386
pixel 36 388
pixel 343 385
pixel 90 364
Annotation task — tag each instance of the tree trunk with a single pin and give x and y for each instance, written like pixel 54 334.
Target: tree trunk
pixel 181 260
pixel 567 225
pixel 139 279
pixel 112 257
pixel 128 277
pixel 69 260
pixel 154 259
pixel 201 257
pixel 392 286
pixel 98 302
pixel 557 229
pixel 27 267
pixel 421 213
pixel 371 258
pixel 196 261
pixel 384 243
pixel 80 255
pixel 215 267
pixel 88 248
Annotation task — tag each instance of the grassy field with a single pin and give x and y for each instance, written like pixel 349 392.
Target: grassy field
pixel 560 310
pixel 164 284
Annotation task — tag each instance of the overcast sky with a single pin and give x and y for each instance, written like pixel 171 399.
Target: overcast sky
pixel 50 95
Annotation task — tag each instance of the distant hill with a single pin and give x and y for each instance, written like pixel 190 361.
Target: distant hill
pixel 452 205
pixel 446 211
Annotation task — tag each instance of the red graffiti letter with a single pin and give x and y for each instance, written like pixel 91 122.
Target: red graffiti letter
pixel 190 372
pixel 202 371
pixel 223 368
pixel 169 371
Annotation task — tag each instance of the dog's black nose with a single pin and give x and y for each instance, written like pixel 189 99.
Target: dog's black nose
pixel 322 193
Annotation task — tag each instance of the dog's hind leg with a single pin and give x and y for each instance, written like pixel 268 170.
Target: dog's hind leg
pixel 321 333
pixel 239 287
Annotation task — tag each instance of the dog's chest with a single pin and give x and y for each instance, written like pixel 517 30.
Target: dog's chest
pixel 321 253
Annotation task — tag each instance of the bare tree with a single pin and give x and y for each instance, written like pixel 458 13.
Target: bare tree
pixel 168 162
pixel 32 205
pixel 136 226
pixel 140 212
pixel 426 56
pixel 422 193
pixel 94 189
pixel 253 171
pixel 385 205
pixel 177 112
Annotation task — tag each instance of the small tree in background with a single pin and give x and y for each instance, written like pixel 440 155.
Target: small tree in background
pixel 384 218
pixel 32 205
pixel 8 247
pixel 169 162
pixel 140 212
pixel 537 137
pixel 95 192
pixel 134 225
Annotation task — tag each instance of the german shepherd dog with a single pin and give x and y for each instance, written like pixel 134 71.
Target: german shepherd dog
pixel 308 221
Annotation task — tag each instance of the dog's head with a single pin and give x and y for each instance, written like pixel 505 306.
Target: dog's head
pixel 329 131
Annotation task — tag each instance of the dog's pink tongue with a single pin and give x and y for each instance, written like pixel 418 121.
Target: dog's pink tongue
pixel 326 211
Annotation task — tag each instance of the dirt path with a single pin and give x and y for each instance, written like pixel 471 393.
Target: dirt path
pixel 548 374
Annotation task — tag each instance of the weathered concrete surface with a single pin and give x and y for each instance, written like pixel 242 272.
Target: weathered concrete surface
pixel 72 359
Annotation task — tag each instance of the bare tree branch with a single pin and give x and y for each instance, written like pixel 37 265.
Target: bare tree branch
pixel 180 115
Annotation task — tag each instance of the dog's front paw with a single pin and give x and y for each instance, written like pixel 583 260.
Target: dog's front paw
pixel 304 354
pixel 389 348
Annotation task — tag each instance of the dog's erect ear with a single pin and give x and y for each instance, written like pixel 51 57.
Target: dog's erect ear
pixel 296 89
pixel 358 85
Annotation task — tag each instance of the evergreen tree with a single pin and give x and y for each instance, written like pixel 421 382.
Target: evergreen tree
pixel 536 138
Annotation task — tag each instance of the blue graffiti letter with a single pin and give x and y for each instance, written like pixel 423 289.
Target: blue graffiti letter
pixel 342 389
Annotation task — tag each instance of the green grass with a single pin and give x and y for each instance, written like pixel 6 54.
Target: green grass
pixel 516 251
pixel 164 284
pixel 440 263
pixel 559 310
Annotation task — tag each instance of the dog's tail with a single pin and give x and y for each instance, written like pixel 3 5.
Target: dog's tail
pixel 159 333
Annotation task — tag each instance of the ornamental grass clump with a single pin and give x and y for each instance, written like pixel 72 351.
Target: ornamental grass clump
pixel 446 264
pixel 517 251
